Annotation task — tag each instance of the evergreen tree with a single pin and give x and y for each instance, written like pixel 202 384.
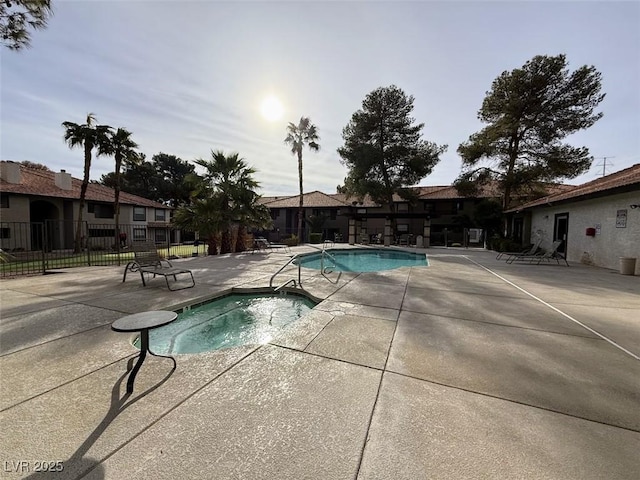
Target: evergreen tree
pixel 529 111
pixel 383 149
pixel 172 182
pixel 18 16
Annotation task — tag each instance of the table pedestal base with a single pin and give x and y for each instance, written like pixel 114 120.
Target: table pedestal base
pixel 144 348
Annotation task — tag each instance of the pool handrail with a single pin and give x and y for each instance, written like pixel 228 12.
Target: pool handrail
pixel 291 260
pixel 329 269
pixel 323 270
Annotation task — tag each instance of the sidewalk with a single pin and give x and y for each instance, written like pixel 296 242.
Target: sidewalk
pixel 468 368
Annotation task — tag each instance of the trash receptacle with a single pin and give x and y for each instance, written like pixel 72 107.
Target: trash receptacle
pixel 627 266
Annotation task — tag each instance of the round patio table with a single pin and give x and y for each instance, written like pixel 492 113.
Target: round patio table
pixel 143 322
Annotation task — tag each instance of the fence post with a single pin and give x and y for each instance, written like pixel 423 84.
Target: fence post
pixel 87 241
pixel 42 254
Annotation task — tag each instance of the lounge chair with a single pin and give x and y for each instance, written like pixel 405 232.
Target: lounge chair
pixel 551 254
pixel 528 251
pixel 262 244
pixel 148 261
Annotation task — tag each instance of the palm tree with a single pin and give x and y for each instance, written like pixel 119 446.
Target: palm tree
pixel 202 215
pixel 87 135
pixel 224 202
pixel 248 211
pixel 305 133
pixel 121 146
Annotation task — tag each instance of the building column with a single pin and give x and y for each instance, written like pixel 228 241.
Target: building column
pixel 387 232
pixel 426 232
pixel 364 236
pixel 352 231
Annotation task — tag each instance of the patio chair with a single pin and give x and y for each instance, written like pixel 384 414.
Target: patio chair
pixel 528 251
pixel 261 243
pixel 551 254
pixel 148 261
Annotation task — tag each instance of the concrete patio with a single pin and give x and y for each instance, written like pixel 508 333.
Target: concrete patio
pixel 468 368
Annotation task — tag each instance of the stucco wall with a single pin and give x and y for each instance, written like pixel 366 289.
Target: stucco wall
pixel 18 210
pixel 609 244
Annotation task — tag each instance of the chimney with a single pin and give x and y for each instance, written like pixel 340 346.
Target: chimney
pixel 63 180
pixel 10 172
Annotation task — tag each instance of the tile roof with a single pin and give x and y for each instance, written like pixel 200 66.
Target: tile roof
pixel 627 178
pixel 446 192
pixel 42 183
pixel 318 199
pixel 315 199
pixel 367 201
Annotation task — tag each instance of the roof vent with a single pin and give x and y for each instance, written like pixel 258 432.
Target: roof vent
pixel 10 172
pixel 63 180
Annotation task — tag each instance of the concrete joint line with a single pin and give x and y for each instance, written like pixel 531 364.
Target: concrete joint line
pixel 557 310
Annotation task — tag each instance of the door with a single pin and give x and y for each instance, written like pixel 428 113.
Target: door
pixel 560 231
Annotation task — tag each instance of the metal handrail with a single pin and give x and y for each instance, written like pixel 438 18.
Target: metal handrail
pixel 282 268
pixel 324 271
pixel 292 281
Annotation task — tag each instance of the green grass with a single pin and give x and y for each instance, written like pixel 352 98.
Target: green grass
pixel 183 250
pixel 97 257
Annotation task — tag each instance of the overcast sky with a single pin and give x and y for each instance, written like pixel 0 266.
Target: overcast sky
pixel 187 77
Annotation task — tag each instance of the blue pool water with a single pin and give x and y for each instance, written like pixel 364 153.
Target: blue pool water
pixel 364 260
pixel 229 321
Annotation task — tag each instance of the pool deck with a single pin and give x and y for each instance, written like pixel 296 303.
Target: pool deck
pixel 468 368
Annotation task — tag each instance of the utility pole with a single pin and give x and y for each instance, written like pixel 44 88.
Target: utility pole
pixel 603 164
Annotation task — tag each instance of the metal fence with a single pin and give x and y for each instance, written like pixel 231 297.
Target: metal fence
pixel 28 248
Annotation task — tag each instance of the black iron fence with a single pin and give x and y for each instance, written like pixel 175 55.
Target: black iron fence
pixel 28 248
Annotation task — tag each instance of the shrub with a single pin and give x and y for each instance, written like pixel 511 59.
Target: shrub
pixel 315 238
pixel 500 244
pixel 291 241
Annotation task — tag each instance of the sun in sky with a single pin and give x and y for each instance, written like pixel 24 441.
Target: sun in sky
pixel 271 108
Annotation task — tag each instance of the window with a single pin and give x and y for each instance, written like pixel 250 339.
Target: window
pixel 102 232
pixel 402 207
pixel 445 208
pixel 4 200
pixel 161 215
pixel 332 213
pixel 101 210
pixel 5 232
pixel 403 227
pixel 361 210
pixel 160 236
pixel 139 214
pixel 139 233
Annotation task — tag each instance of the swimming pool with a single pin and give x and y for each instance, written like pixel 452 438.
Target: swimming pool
pixel 232 320
pixel 363 259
